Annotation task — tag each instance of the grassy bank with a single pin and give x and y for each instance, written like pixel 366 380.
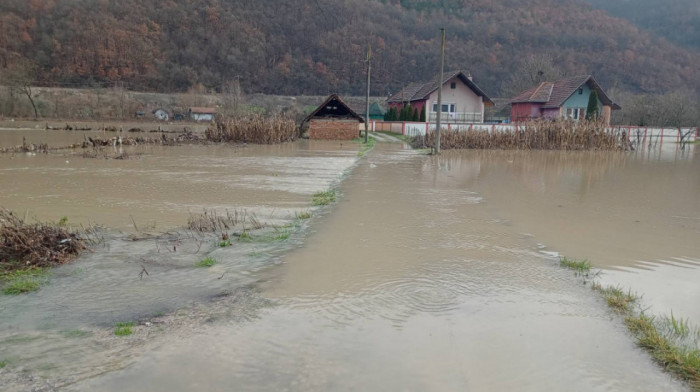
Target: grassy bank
pixel 366 147
pixel 672 342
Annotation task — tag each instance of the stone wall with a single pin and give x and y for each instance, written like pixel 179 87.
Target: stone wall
pixel 327 129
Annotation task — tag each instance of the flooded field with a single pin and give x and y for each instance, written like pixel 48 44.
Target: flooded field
pixel 429 273
pixel 162 186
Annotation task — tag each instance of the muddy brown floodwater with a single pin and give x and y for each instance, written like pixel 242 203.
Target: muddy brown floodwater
pixel 440 273
pixel 162 187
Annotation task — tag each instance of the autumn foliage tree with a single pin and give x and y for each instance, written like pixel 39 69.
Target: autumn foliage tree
pixel 294 47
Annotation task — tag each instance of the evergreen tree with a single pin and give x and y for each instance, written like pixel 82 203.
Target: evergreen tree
pixel 406 113
pixel 388 114
pixel 592 109
pixel 422 114
pixel 416 116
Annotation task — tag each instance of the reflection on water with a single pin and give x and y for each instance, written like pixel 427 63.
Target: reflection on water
pixel 626 213
pixel 419 281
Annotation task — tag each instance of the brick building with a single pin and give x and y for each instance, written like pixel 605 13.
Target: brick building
pixel 334 120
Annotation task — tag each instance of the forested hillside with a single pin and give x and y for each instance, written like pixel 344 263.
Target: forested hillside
pixel 317 47
pixel 676 20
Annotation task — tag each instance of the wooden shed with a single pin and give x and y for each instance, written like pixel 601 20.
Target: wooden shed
pixel 334 120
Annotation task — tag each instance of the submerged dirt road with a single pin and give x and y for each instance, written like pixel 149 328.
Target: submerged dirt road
pixel 413 282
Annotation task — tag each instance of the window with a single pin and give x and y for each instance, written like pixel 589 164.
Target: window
pixel 580 91
pixel 446 107
pixel 575 113
pixel 453 85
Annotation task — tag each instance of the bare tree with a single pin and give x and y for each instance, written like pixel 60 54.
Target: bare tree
pixel 20 78
pixel 534 70
pixel 678 109
pixel 231 96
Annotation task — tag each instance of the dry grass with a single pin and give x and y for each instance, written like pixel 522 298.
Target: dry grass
pixel 534 135
pixel 38 245
pixel 212 222
pixel 256 129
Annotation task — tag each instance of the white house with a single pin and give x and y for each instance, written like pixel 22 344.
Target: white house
pixel 202 114
pixel 462 100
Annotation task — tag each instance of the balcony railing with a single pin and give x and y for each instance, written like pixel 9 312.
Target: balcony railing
pixel 464 117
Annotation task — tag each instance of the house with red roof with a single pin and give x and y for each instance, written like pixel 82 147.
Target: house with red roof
pixel 462 100
pixel 565 98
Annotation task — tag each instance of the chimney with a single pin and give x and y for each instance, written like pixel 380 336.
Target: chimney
pixel 469 76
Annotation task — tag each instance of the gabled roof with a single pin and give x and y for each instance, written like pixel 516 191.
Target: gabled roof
pixel 554 94
pixel 419 92
pixel 375 109
pixel 334 107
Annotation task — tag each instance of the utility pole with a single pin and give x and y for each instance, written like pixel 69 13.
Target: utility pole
pixel 439 103
pixel 369 70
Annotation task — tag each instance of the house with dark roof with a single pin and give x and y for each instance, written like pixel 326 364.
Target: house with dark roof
pixel 333 120
pixel 565 98
pixel 462 100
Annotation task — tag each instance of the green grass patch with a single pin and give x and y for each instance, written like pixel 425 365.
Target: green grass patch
pixel 323 198
pixel 245 237
pixel 617 299
pixel 224 243
pixel 366 147
pixel 281 235
pixel 24 280
pixel 123 329
pixel 63 221
pixel 206 262
pixel 683 361
pixel 3 363
pixel 672 342
pixel 302 215
pixel 580 267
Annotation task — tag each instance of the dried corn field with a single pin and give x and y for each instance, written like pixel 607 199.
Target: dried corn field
pixel 535 135
pixel 256 129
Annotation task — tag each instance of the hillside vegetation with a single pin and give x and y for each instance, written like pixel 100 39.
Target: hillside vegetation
pixel 317 47
pixel 676 20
